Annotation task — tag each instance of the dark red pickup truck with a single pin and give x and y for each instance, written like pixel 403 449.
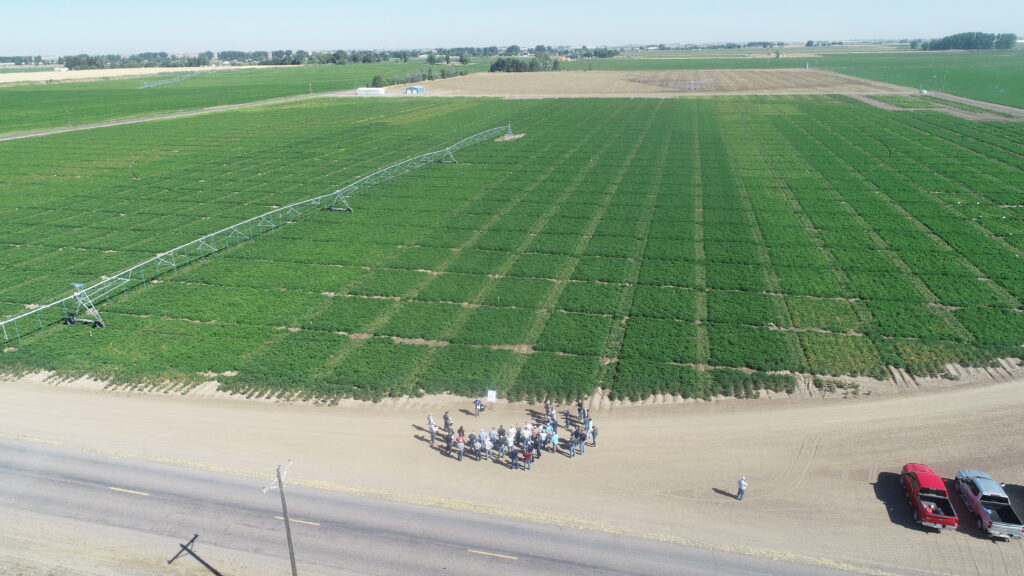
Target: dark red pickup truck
pixel 927 495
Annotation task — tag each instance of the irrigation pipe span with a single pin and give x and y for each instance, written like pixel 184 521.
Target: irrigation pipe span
pixel 81 305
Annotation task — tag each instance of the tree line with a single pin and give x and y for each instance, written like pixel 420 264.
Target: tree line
pixel 258 57
pixel 538 63
pixel 434 57
pixel 380 81
pixel 969 41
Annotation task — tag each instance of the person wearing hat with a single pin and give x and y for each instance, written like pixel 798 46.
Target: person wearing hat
pixel 742 488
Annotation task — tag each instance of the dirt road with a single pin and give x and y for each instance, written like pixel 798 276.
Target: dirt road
pixel 822 473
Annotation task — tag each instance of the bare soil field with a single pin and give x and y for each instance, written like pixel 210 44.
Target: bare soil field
pixel 85 75
pixel 822 473
pixel 658 84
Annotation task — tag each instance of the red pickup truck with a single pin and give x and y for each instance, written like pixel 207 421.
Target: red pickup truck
pixel 927 495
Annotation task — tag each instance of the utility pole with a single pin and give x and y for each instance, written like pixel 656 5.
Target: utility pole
pixel 284 512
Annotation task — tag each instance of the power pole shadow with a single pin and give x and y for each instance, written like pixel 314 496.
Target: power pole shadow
pixel 187 549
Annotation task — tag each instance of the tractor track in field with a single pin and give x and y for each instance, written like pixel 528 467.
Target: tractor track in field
pixel 151 117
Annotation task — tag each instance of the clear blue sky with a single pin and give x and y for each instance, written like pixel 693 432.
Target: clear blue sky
pixel 65 27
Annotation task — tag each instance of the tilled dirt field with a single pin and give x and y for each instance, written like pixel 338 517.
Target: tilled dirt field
pixel 85 75
pixel 658 84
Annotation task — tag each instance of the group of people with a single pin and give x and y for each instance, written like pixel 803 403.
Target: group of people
pixel 524 444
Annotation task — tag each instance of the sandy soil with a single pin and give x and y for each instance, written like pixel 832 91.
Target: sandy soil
pixel 82 75
pixel 657 84
pixel 822 472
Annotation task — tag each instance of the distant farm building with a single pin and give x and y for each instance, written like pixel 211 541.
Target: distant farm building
pixel 370 91
pixel 415 90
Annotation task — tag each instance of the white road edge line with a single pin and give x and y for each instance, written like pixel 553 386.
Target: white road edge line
pixel 492 554
pixel 299 521
pixel 136 492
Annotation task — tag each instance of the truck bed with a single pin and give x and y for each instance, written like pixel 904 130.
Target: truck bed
pixel 937 505
pixel 1003 515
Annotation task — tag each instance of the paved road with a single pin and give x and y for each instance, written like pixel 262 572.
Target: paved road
pixel 334 533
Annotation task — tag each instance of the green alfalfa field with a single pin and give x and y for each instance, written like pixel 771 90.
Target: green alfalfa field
pixel 694 247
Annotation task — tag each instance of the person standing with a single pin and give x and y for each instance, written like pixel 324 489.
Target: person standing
pixel 502 441
pixel 742 488
pixel 513 453
pixel 527 457
pixel 554 443
pixel 430 419
pixel 460 444
pixel 593 434
pixel 433 432
pixel 474 445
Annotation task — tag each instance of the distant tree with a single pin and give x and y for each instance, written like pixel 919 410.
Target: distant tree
pixel 810 43
pixel 378 81
pixel 432 58
pixel 972 41
pixel 915 44
pixel 512 65
pixel 513 50
pixel 464 59
pixel 1006 41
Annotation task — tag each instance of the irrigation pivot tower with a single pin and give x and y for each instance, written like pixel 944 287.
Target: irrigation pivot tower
pixel 85 298
pixel 83 303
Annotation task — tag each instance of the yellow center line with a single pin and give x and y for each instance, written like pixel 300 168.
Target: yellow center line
pixel 492 554
pixel 137 493
pixel 299 521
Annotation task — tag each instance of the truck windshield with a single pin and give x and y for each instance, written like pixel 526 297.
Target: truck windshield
pixel 994 500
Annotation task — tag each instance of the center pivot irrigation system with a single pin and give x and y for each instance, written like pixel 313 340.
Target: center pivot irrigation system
pixel 80 306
